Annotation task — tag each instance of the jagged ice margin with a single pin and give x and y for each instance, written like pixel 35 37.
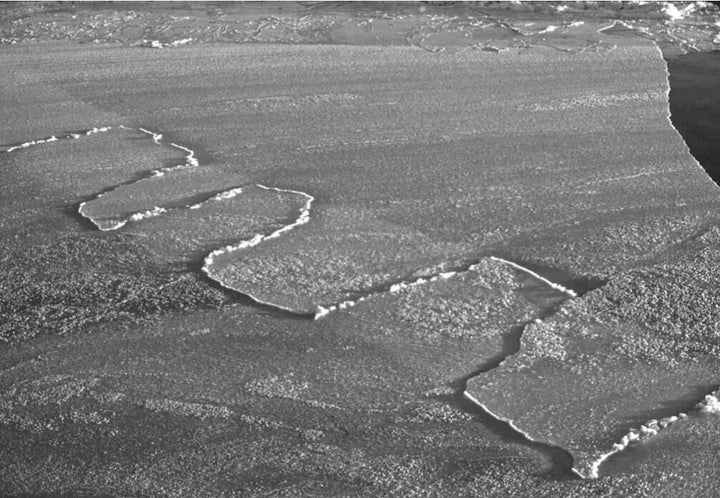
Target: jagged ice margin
pixel 323 311
pixel 710 405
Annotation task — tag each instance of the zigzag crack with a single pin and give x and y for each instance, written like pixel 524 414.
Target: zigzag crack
pixel 561 458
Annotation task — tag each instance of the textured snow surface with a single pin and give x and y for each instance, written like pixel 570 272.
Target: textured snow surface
pixel 526 223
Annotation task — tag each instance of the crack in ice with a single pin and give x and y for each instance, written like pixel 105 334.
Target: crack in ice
pixel 323 311
pixel 510 424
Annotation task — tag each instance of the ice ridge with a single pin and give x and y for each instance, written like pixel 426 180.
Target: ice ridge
pixel 302 218
pixel 107 225
pixel 322 311
pixel 74 135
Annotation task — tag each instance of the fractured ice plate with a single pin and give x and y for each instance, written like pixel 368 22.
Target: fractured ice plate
pixel 456 322
pixel 641 348
pixel 518 147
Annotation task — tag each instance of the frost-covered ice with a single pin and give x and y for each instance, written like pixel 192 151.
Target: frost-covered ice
pixel 395 288
pixel 228 194
pixel 157 137
pixel 156 211
pixel 549 29
pixel 101 129
pixel 55 138
pixel 608 364
pixel 674 13
pixel 222 196
pixel 190 158
pixel 398 287
pixel 635 436
pixel 711 403
pixel 177 43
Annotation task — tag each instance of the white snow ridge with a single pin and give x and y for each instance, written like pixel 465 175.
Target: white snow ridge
pixel 323 311
pixel 155 136
pixel 555 286
pixel 156 211
pixel 190 158
pixel 303 218
pixel 222 196
pixel 711 403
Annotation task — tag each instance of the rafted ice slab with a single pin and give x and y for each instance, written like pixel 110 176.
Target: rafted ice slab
pixel 640 349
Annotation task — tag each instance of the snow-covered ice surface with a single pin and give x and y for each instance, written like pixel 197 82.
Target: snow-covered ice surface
pixel 189 234
pixel 457 322
pixel 497 204
pixel 584 199
pixel 625 360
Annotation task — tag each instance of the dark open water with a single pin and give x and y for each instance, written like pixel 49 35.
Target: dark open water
pixel 695 106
